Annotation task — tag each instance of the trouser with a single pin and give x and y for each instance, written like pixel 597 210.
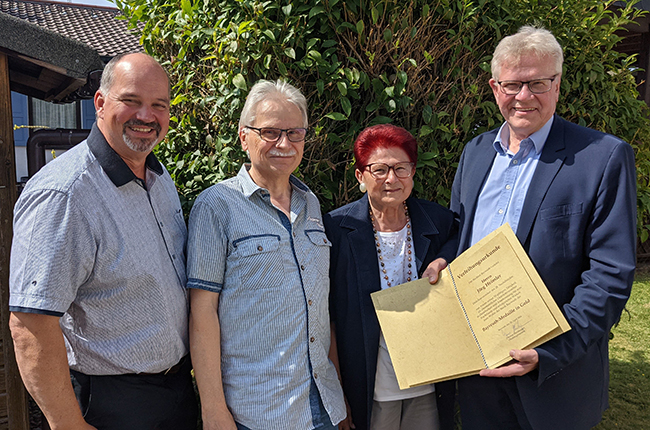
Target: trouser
pixel 491 404
pixel 138 401
pixel 417 413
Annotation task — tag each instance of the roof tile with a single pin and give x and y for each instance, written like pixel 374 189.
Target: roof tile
pixel 95 26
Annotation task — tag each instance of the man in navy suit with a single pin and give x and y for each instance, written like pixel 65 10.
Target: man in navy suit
pixel 569 194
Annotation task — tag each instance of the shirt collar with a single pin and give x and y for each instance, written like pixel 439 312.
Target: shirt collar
pixel 538 138
pixel 249 187
pixel 116 169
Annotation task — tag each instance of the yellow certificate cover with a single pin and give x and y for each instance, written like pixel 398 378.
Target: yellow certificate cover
pixel 487 301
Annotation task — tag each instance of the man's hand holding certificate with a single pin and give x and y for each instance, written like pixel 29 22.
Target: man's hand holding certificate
pixel 487 302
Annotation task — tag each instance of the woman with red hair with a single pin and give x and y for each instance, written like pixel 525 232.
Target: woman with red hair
pixel 384 239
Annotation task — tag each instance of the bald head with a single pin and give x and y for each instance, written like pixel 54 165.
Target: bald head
pixel 129 60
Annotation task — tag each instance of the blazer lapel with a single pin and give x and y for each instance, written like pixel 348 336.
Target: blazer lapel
pixel 552 158
pixel 476 172
pixel 421 226
pixel 364 252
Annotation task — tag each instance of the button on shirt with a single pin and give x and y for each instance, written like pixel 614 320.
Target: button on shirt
pixel 504 192
pixel 271 272
pixel 94 246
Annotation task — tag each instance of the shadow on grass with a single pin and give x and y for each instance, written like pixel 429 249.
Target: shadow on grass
pixel 629 399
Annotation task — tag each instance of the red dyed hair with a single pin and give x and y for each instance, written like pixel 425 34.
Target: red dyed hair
pixel 383 136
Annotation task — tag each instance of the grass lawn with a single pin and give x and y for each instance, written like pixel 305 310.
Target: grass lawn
pixel 629 357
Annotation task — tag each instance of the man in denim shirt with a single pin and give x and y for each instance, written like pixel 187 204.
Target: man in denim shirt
pixel 258 262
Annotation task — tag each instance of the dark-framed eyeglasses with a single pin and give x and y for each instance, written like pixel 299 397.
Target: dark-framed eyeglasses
pixel 536 86
pixel 381 170
pixel 272 135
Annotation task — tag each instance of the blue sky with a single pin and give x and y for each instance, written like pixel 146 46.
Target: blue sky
pixel 92 2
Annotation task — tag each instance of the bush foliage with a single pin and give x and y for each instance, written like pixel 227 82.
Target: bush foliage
pixel 420 64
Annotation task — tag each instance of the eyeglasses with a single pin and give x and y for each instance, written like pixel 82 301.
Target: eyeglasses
pixel 381 170
pixel 537 86
pixel 272 135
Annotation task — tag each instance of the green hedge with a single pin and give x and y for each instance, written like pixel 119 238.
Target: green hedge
pixel 423 65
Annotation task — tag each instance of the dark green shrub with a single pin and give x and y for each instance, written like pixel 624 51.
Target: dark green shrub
pixel 423 65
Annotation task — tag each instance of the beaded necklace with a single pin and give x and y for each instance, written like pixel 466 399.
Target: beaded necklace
pixel 408 245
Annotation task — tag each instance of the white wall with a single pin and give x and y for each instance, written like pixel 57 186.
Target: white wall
pixel 21 160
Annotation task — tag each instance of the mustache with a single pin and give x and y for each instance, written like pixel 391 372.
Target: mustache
pixel 135 122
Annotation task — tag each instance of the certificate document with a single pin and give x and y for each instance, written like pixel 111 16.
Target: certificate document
pixel 486 302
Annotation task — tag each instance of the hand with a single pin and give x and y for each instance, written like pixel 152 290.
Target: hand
pixel 347 423
pixel 219 421
pixel 525 361
pixel 433 269
pixel 81 425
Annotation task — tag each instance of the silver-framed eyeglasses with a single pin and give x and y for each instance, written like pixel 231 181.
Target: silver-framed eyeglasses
pixel 536 86
pixel 272 135
pixel 381 170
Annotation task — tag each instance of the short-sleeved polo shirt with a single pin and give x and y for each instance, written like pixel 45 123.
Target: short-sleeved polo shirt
pixel 106 252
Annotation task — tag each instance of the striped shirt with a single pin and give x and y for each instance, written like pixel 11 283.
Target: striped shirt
pixel 271 272
pixel 95 246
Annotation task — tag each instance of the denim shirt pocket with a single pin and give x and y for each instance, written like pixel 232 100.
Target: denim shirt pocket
pixel 256 261
pixel 319 255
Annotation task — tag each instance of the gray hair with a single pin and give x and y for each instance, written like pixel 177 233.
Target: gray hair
pixel 108 74
pixel 263 90
pixel 528 40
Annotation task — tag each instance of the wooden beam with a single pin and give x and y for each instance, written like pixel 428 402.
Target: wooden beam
pixel 16 398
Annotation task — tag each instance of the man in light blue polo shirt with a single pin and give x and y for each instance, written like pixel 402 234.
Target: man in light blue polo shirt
pixel 98 270
pixel 258 262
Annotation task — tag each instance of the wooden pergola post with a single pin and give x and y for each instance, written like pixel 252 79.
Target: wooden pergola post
pixel 14 400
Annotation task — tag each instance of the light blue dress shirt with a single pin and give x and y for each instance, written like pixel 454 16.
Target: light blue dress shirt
pixel 504 192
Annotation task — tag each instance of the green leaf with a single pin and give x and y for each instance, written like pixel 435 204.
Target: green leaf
pixel 239 81
pixel 425 130
pixel 343 88
pixel 243 27
pixel 345 25
pixel 315 11
pixel 336 116
pixel 427 113
pixel 346 105
pixel 287 9
pixel 375 15
pixel 388 35
pixel 281 68
pixel 360 26
pixel 178 99
pixel 403 77
pixel 269 34
pixel 289 52
pixel 186 7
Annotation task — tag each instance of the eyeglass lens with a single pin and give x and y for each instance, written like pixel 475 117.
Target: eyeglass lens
pixel 380 170
pixel 538 86
pixel 273 134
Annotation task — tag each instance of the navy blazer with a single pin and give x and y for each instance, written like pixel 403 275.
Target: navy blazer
pixel 578 225
pixel 354 274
